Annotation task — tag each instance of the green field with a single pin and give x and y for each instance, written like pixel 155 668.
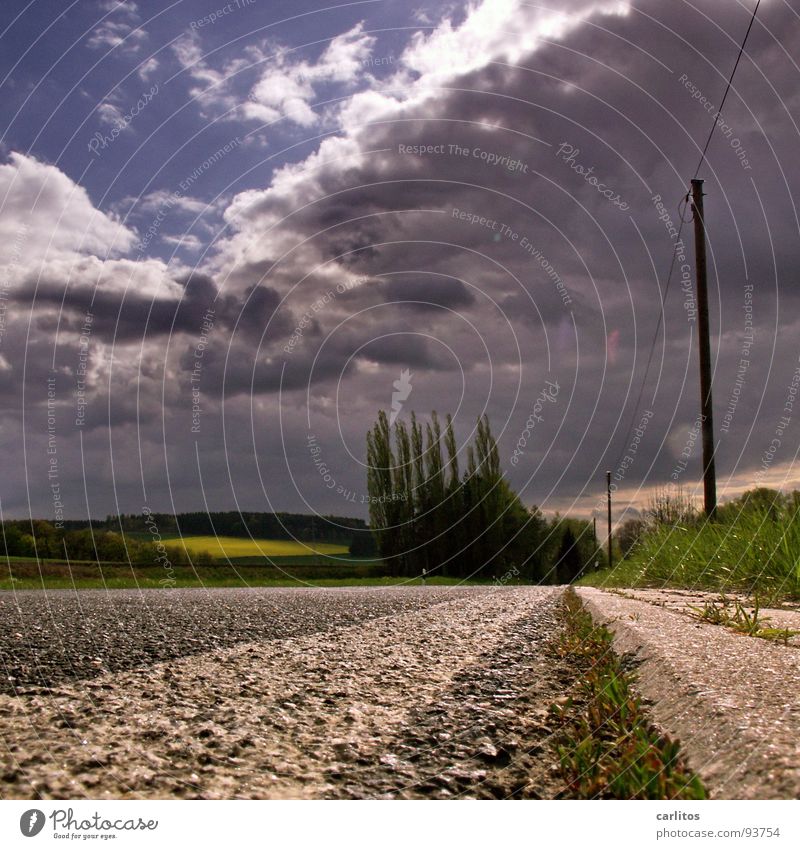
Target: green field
pixel 237 562
pixel 54 575
pixel 230 548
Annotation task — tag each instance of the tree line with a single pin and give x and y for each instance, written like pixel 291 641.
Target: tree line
pixel 429 517
pixel 130 537
pixel 44 540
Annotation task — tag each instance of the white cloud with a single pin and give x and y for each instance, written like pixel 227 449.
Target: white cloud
pixel 153 201
pixel 147 68
pixel 50 230
pixel 285 87
pixel 343 59
pixel 124 6
pixel 119 29
pixel 56 213
pixel 493 30
pixel 110 114
pixel 111 35
pixel 282 92
pixel 212 91
pixel 187 241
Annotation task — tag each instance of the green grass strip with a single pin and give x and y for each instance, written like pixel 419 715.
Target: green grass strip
pixel 608 747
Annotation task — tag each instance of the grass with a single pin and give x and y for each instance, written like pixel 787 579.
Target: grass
pixel 743 619
pixel 608 747
pixel 221 548
pixel 330 560
pixel 752 551
pixel 27 575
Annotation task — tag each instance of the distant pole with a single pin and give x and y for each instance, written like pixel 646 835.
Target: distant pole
pixel 608 493
pixel 704 336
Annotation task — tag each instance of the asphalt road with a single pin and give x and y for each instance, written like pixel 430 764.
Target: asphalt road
pixel 46 638
pixel 352 693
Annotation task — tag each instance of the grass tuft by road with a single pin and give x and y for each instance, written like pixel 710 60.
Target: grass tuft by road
pixel 608 747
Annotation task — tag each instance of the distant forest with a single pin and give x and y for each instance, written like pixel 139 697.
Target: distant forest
pixel 103 538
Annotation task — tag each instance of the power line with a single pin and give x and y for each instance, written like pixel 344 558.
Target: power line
pixel 663 298
pixel 727 88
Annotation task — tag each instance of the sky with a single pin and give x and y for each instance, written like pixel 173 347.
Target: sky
pixel 231 234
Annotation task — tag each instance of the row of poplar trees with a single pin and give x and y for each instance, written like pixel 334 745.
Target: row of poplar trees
pixel 427 515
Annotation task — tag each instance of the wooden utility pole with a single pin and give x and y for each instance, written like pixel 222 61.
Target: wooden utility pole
pixel 608 498
pixel 704 337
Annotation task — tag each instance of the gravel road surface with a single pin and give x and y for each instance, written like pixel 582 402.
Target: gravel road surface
pixel 61 635
pixel 337 693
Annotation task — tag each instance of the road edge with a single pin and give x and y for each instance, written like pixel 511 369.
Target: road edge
pixel 728 757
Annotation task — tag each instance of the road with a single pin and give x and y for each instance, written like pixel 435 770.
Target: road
pixel 54 636
pixel 429 692
pixel 418 692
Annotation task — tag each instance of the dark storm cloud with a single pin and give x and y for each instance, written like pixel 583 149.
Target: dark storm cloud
pixel 428 294
pixel 126 315
pixel 408 348
pixel 530 190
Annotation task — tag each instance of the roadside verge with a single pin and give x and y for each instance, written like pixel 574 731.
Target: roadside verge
pixel 733 701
